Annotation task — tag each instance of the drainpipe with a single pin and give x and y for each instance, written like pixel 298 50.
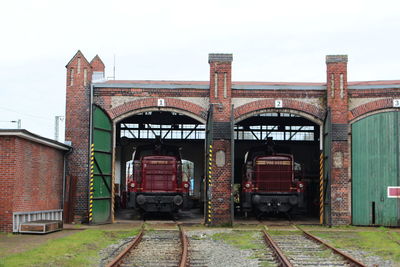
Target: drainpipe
pixel 65 176
pixel 90 118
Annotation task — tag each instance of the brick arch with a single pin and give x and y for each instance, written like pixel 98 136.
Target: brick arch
pixel 171 104
pixel 370 107
pixel 313 111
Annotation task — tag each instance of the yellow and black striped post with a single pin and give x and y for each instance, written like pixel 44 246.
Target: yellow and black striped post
pixel 321 188
pixel 209 183
pixel 91 183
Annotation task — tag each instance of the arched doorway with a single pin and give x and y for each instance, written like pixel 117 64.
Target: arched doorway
pixel 294 133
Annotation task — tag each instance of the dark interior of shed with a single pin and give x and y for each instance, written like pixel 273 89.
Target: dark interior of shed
pixel 291 134
pixel 173 129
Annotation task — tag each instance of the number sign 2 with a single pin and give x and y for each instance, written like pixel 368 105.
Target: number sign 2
pixel 278 103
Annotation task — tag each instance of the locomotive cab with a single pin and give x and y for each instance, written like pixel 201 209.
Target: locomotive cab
pixel 157 183
pixel 271 183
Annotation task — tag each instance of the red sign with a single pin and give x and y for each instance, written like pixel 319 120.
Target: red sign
pixel 393 191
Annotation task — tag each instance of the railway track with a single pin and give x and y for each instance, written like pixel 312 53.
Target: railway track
pixel 304 249
pixel 155 248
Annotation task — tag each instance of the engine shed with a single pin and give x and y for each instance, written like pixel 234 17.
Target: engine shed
pixel 344 135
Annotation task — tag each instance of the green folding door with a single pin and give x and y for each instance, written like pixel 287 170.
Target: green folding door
pixel 101 163
pixel 375 166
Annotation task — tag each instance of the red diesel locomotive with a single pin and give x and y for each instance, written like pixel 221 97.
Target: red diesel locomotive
pixel 157 184
pixel 271 182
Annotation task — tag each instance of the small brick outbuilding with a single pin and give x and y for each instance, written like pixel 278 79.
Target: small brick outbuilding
pixel 31 178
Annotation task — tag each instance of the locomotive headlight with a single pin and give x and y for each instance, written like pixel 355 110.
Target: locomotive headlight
pixel 132 185
pixel 301 185
pixel 186 185
pixel 247 185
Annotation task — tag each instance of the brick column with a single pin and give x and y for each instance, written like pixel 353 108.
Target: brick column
pixel 337 101
pixel 220 97
pixel 79 75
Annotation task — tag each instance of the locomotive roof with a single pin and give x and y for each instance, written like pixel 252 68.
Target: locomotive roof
pixel 156 149
pixel 268 149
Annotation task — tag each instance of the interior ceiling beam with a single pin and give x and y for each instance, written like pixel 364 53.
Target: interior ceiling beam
pixel 282 121
pixel 163 129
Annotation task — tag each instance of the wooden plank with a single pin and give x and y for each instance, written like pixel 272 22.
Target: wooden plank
pixel 41 226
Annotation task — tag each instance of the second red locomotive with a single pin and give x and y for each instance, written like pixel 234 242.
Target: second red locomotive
pixel 157 184
pixel 271 182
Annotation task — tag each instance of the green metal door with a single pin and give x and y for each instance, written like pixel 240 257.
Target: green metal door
pixel 101 168
pixel 375 166
pixel 327 159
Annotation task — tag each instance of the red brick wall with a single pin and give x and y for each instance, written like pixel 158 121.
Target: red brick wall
pixel 152 102
pixel 31 178
pixel 221 185
pixel 337 100
pixel 220 76
pixel 77 131
pixel 313 110
pixel 7 181
pixel 97 64
pixel 370 107
pixel 220 96
pixel 340 185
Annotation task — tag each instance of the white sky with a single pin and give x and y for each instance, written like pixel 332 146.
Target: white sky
pixel 284 40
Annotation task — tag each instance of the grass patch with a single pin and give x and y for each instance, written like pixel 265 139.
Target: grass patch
pixel 79 249
pixel 376 243
pixel 240 239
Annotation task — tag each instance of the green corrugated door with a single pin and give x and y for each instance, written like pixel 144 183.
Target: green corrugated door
pixel 102 167
pixel 375 166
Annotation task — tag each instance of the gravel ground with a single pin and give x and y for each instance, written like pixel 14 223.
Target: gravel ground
pixel 370 260
pixel 107 254
pixel 367 258
pixel 205 251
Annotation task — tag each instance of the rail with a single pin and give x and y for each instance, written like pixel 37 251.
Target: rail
pixel 280 256
pixel 185 246
pixel 348 258
pixel 118 260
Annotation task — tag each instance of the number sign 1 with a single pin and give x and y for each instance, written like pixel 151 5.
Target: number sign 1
pixel 161 102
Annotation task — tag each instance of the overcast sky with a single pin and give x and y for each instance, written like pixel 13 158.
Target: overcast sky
pixel 284 40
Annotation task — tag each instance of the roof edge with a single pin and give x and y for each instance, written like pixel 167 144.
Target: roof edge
pixel 22 133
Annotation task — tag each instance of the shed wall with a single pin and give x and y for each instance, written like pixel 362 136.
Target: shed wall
pixel 31 180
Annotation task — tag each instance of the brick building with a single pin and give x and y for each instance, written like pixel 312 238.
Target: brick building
pixel 337 111
pixel 31 181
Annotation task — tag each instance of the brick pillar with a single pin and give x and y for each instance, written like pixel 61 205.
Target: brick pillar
pixel 79 75
pixel 337 100
pixel 220 97
pixel 98 68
